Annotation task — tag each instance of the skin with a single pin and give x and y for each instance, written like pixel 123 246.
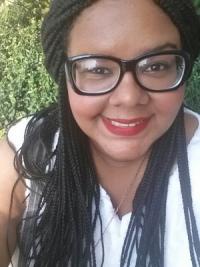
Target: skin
pixel 8 177
pixel 125 30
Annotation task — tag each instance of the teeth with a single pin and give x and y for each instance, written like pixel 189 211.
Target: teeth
pixel 118 124
pixel 125 125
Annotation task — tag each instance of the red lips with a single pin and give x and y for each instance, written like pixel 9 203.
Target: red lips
pixel 126 127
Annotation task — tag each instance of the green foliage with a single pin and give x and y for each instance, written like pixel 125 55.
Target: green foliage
pixel 24 84
pixel 193 88
pixel 23 12
pixel 197 4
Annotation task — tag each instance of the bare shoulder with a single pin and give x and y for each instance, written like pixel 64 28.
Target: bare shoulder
pixel 8 178
pixel 191 125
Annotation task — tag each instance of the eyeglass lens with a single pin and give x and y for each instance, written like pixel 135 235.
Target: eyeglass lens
pixel 159 72
pixel 95 75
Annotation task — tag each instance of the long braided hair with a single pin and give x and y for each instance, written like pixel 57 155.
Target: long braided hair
pixel 64 184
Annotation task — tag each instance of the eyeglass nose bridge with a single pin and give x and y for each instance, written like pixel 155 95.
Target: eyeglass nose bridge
pixel 129 66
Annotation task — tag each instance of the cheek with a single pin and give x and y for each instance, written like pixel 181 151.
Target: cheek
pixel 171 100
pixel 167 105
pixel 85 107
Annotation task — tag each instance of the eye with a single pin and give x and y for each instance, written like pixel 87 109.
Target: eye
pixel 99 70
pixel 156 67
pixel 94 73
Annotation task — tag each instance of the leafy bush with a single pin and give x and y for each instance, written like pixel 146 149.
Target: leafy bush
pixel 24 84
pixel 193 88
pixel 197 4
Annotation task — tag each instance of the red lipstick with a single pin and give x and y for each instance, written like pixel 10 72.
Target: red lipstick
pixel 126 127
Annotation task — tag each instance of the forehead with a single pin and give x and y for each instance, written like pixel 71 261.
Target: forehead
pixel 124 28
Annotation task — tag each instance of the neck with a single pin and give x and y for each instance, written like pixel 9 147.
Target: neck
pixel 117 177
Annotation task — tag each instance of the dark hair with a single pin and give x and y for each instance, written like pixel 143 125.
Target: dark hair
pixel 64 184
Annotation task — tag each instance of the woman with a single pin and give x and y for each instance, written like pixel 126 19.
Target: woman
pixel 112 169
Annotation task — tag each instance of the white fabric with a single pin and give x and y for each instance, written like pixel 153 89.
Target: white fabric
pixel 176 240
pixel 16 133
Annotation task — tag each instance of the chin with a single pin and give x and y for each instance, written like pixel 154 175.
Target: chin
pixel 124 156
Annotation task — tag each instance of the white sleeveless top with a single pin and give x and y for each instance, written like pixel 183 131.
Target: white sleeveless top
pixel 176 240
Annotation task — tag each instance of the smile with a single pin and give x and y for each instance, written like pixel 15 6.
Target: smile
pixel 124 127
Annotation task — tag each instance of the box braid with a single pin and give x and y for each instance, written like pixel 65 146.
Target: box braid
pixel 62 226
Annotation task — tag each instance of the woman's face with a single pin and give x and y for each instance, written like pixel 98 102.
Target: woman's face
pixel 123 124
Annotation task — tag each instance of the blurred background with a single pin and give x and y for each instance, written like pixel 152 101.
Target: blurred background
pixel 25 86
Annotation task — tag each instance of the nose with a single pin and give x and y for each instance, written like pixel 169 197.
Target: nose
pixel 129 92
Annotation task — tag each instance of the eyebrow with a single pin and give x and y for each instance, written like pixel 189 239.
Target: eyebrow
pixel 161 47
pixel 164 46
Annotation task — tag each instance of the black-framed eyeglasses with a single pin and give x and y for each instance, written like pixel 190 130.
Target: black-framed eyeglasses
pixel 155 72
